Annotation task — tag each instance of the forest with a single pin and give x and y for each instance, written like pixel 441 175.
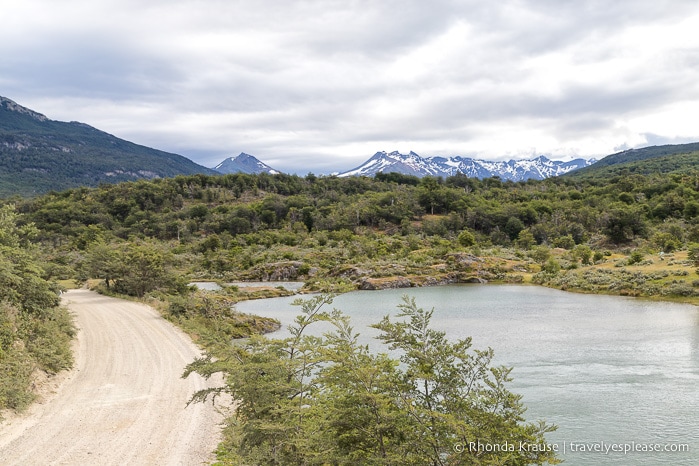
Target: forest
pixel 339 234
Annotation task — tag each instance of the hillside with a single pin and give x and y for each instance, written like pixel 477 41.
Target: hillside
pixel 655 159
pixel 38 155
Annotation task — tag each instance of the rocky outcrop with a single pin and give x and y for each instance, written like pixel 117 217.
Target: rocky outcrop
pixel 431 280
pixel 349 271
pixel 415 281
pixel 464 261
pixel 384 283
pixel 278 272
pixel 475 280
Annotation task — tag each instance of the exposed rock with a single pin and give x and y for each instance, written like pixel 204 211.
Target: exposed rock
pixel 277 271
pixel 349 271
pixel 384 283
pixel 464 261
pixel 475 280
pixel 431 280
pixel 13 106
pixel 408 282
pixel 465 258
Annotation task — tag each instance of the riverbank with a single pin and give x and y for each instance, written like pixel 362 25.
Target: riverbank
pixel 669 277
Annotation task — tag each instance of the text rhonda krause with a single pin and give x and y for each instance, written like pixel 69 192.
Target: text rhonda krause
pixel 478 446
pixel 573 447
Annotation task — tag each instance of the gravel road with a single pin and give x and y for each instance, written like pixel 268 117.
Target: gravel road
pixel 124 402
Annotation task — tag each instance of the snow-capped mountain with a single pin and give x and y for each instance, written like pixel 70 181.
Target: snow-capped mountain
pixel 244 163
pixel 515 170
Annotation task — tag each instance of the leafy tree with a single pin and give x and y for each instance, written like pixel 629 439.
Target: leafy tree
pixel 143 269
pixel 693 253
pixel 132 268
pixel 451 394
pixel 622 225
pixel 667 242
pixel 432 195
pixel 466 238
pixel 551 266
pixel 636 257
pixel 540 254
pixel 271 381
pixel 102 261
pixel 210 243
pixel 364 424
pixel 307 217
pixel 513 227
pixel 583 253
pixel 525 239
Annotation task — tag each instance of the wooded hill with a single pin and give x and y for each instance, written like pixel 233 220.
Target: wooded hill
pixel 673 158
pixel 38 155
pixel 266 226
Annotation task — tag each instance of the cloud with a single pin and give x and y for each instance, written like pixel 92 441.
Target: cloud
pixel 308 85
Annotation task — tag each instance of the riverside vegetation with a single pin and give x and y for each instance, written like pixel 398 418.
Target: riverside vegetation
pixel 624 233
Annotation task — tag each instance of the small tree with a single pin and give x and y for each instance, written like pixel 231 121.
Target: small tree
pixel 513 226
pixel 693 253
pixel 551 266
pixel 525 239
pixel 636 257
pixel 452 394
pixel 466 238
pixel 102 261
pixel 621 225
pixel 540 254
pixel 583 253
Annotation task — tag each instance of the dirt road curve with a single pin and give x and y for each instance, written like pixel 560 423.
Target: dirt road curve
pixel 124 403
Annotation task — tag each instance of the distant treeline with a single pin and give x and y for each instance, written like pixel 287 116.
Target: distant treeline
pixel 557 212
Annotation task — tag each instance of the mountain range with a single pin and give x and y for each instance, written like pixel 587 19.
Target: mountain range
pixel 514 170
pixel 38 154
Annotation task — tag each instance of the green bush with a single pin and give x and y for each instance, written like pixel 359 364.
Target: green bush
pixel 16 369
pixel 636 257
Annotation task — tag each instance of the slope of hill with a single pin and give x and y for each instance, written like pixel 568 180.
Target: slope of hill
pixel 515 170
pixel 653 159
pixel 244 163
pixel 39 155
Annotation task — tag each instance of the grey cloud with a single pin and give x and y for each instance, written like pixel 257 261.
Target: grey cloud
pixel 658 140
pixel 304 80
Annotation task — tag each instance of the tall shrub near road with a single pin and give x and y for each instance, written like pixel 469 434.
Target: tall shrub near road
pixel 34 332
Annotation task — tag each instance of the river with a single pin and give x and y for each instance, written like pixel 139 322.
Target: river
pixel 612 373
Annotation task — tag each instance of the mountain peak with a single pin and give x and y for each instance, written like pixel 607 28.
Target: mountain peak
pixel 244 163
pixel 13 106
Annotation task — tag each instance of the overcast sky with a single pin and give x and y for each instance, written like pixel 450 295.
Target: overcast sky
pixel 322 85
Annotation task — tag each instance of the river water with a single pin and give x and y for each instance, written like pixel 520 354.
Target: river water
pixel 612 373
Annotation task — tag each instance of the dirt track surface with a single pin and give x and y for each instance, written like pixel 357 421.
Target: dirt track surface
pixel 124 402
